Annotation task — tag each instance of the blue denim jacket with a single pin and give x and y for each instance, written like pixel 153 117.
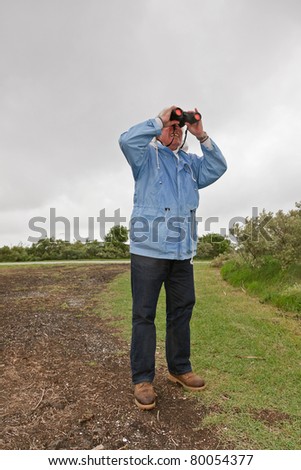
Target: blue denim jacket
pixel 163 221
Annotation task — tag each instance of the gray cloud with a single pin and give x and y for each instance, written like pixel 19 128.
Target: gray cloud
pixel 75 74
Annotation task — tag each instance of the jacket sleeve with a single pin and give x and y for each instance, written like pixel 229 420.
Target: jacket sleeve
pixel 210 167
pixel 135 141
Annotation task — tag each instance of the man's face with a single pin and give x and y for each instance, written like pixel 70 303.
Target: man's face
pixel 172 133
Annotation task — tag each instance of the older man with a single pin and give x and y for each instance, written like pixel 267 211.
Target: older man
pixel 163 240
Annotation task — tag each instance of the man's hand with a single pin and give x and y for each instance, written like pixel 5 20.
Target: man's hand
pixel 165 117
pixel 196 128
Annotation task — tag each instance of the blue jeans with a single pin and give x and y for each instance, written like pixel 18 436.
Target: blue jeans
pixel 147 276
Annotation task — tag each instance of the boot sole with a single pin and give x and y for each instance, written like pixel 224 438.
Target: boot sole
pixel 145 407
pixel 178 381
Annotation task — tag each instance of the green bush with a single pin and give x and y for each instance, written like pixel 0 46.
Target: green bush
pixel 268 258
pixel 267 234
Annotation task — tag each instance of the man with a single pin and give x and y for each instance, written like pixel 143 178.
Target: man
pixel 163 240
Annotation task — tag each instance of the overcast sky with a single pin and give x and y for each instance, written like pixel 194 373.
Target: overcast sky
pixel 75 74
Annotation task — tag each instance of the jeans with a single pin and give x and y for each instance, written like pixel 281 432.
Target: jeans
pixel 147 276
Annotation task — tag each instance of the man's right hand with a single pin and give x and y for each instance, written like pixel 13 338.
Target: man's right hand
pixel 164 115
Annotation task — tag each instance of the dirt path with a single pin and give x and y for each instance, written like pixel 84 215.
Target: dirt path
pixel 66 378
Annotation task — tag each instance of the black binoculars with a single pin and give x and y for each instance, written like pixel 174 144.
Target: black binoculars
pixel 182 117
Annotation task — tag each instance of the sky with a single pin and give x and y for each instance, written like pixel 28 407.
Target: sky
pixel 75 74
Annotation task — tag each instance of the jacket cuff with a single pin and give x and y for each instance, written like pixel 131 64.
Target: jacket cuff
pixel 159 122
pixel 208 144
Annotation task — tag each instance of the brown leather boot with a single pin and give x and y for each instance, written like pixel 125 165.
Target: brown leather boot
pixel 145 396
pixel 190 381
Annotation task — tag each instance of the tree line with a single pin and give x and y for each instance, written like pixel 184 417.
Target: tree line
pixel 47 249
pixel 114 246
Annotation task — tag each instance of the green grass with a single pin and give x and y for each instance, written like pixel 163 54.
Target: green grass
pixel 279 287
pixel 249 353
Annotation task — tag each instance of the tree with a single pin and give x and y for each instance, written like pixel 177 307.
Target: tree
pixel 212 245
pixel 118 234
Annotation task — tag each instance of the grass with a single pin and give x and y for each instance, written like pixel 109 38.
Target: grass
pixel 249 353
pixel 279 287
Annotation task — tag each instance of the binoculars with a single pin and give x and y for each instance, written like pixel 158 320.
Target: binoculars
pixel 183 117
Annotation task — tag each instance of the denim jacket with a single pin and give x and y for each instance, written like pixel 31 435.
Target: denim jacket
pixel 163 221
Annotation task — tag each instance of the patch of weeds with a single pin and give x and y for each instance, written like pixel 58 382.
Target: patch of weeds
pixel 64 306
pixel 92 363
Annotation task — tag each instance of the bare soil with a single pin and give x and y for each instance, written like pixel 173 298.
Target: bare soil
pixel 66 376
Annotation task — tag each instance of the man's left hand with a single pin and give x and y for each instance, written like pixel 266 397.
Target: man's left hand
pixel 196 129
